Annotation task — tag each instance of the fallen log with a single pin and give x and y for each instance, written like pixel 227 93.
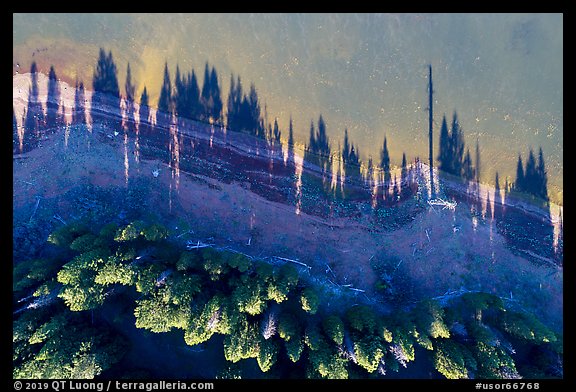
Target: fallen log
pixel 293 261
pixel 445 204
pixel 59 218
pixel 35 208
pixel 186 232
pixel 190 246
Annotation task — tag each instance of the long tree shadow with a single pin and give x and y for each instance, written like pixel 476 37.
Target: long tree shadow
pixel 451 150
pixel 532 234
pixel 54 119
pixel 15 137
pixel 79 110
pixel 317 171
pixel 322 181
pixel 34 120
pixel 129 123
pixel 351 176
pixel 105 107
pixel 165 111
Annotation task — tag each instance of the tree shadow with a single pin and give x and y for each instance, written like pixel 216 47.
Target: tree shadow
pixel 15 137
pixel 532 179
pixel 210 97
pixel 318 153
pixel 290 147
pixel 160 133
pixel 34 120
pixel 408 184
pixel 144 129
pixel 451 150
pixel 244 110
pixel 54 119
pixel 129 88
pixel 385 174
pixel 105 107
pixel 79 111
pixel 530 234
pixel 351 166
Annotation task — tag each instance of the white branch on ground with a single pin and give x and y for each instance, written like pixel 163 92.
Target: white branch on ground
pixel 196 245
pixel 186 232
pixel 451 205
pixel 328 269
pixel 35 208
pixel 59 218
pixel 293 261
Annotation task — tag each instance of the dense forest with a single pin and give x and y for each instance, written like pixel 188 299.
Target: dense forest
pixel 269 312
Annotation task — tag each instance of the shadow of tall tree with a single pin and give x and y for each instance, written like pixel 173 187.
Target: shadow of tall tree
pixel 559 251
pixel 129 89
pixel 498 200
pixel 317 195
pixel 408 185
pixel 369 179
pixel 193 97
pixel 79 111
pixel 274 149
pixel 532 179
pixel 275 134
pixel 386 177
pixel 105 104
pixel 290 146
pixel 453 160
pixel 54 120
pixel 144 129
pixel 187 96
pixel 210 97
pixel 467 167
pixel 317 152
pixel 164 113
pixel 350 162
pixel 451 150
pixel 532 234
pixel 244 112
pixel 34 117
pixel 15 137
pixel 188 102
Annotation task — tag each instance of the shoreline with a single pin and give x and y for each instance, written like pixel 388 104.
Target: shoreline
pixel 20 99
